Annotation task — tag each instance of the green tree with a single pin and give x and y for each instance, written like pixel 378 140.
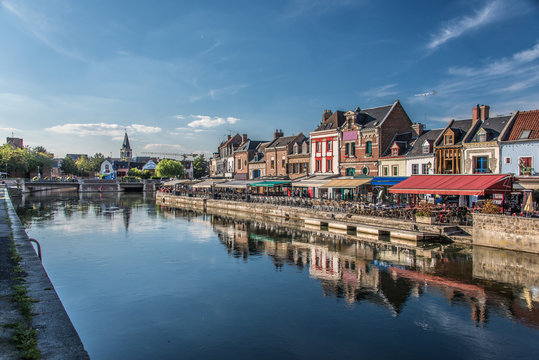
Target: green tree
pixel 38 157
pixel 68 166
pixel 170 168
pixel 200 167
pixel 83 165
pixel 16 160
pixel 96 161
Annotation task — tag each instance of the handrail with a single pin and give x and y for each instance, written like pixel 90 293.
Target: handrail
pixel 38 248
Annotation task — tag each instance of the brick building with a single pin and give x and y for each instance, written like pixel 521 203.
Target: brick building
pixel 277 153
pixel 366 134
pixel 243 156
pixel 298 160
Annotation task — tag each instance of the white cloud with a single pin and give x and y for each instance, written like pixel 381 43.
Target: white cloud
pixel 115 131
pixel 493 11
pixel 164 147
pixel 207 122
pixel 381 91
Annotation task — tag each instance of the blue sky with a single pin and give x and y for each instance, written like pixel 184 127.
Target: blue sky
pixel 180 75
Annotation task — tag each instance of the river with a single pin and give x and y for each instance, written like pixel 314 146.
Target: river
pixel 143 282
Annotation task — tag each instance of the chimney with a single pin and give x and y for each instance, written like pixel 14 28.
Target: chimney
pixel 277 134
pixel 244 138
pixel 484 112
pixel 418 128
pixel 475 113
pixel 327 114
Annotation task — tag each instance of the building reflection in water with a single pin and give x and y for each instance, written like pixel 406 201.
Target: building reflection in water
pixel 388 275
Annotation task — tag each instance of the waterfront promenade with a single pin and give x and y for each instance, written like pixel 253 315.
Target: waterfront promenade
pixel 23 278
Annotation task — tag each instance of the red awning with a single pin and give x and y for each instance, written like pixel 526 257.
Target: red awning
pixel 453 184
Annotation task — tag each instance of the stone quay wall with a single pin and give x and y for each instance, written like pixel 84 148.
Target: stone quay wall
pixel 506 232
pixel 259 211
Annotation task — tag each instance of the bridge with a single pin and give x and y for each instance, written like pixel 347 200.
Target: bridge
pixel 89 185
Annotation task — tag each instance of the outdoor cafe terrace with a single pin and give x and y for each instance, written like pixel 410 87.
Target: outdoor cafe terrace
pixel 406 196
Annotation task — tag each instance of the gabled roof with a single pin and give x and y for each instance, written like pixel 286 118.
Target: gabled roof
pixel 492 127
pixel 333 122
pixel 285 140
pixel 373 117
pixel 524 121
pixel 459 128
pixel 403 140
pixel 427 135
pixel 234 140
pixel 250 145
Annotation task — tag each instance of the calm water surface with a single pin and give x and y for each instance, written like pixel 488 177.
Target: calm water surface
pixel 142 282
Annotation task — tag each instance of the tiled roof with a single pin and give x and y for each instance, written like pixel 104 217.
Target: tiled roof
pixel 403 140
pixel 417 147
pixel 373 117
pixel 250 145
pixel 333 122
pixel 525 121
pixel 493 127
pixel 282 141
pixel 460 128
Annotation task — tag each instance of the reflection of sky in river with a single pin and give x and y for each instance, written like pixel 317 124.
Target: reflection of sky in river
pixel 140 283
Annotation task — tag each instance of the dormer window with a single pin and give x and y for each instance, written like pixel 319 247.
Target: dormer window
pixel 295 149
pixel 524 134
pixel 481 136
pixel 426 148
pixel 448 139
pixel 395 151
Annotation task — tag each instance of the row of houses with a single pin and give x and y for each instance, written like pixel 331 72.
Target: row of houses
pixel 384 142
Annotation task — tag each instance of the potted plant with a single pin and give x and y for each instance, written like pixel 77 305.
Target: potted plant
pixel 424 214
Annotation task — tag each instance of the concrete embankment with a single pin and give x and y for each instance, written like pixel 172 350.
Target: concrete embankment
pixel 400 228
pixel 56 337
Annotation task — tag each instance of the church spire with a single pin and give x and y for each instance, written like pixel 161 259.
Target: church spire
pixel 125 152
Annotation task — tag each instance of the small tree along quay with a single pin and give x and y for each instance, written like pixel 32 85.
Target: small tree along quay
pixel 200 167
pixel 20 162
pixel 68 166
pixel 170 168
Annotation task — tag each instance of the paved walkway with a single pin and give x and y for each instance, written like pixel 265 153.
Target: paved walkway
pixel 56 336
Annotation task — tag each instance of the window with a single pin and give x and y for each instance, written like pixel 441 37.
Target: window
pixel 395 151
pixel 107 168
pixel 395 170
pixel 295 149
pixel 283 162
pixel 481 137
pixel 525 165
pixel 448 139
pixel 415 169
pixel 524 134
pixel 256 157
pixel 350 149
pixel 305 167
pixel 424 169
pixel 426 148
pixel 328 145
pixel 385 170
pixel 329 165
pixel 318 165
pixel 239 165
pixel 481 164
pixel 350 172
pixel 508 160
pixel 272 164
pixel 318 146
pixel 368 148
pixel 365 170
pixel 245 163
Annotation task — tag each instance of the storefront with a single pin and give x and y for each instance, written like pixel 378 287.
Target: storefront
pixel 462 190
pixel 346 188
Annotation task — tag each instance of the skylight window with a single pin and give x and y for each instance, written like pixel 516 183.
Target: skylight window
pixel 525 134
